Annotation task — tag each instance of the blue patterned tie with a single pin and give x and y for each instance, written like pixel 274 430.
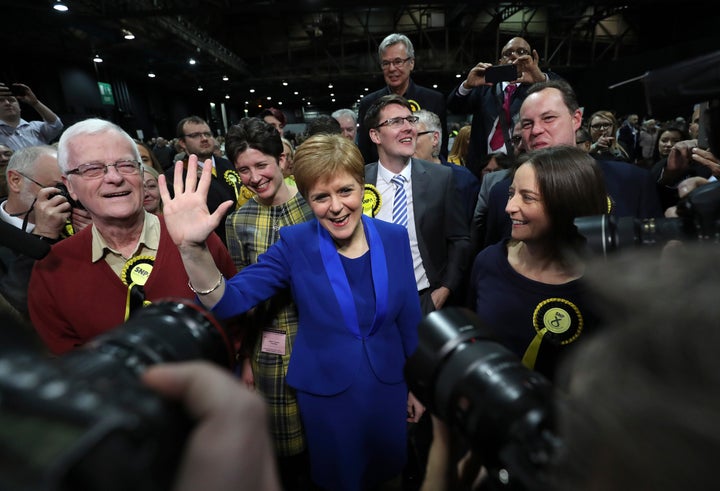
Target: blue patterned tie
pixel 400 201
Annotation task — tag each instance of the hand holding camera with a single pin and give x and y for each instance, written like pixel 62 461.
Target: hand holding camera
pixel 52 209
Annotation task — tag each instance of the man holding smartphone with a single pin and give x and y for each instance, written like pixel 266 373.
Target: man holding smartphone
pixel 493 94
pixel 15 132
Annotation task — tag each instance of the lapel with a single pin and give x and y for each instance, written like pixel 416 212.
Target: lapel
pixel 420 187
pixel 371 172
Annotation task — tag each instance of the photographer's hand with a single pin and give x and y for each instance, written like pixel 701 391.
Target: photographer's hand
pixel 80 219
pixel 476 76
pixel 706 158
pixel 529 69
pixel 230 447
pixel 51 211
pixel 678 160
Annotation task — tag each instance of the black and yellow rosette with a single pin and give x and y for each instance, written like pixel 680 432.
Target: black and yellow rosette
pixel 555 320
pixel 609 204
pixel 134 275
pixel 372 201
pixel 233 179
pixel 414 105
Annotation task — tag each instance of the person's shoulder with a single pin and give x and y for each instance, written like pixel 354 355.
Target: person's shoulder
pixel 431 168
pixel 303 229
pixel 626 169
pixel 366 101
pixel 426 91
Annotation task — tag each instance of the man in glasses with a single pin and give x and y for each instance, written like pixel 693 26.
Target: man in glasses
pixel 195 138
pixel 396 56
pixel 422 197
pixel 493 105
pixel 34 206
pixel 94 280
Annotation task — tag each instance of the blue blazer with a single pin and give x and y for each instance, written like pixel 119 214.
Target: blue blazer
pixel 326 353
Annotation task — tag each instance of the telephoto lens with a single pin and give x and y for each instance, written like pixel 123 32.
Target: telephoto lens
pixel 86 421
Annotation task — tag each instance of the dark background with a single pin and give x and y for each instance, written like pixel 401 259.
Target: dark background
pixel 258 45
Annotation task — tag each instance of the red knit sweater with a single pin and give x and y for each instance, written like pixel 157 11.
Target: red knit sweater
pixel 72 299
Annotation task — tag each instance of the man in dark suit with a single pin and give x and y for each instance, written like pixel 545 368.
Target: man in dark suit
pixel 397 60
pixel 549 117
pixel 439 235
pixel 485 101
pixel 196 138
pixel 433 215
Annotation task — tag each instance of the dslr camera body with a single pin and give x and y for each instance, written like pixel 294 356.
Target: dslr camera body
pixel 84 421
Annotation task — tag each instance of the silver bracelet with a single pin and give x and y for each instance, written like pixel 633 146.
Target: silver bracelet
pixel 207 292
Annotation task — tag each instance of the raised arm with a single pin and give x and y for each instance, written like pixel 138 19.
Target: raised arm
pixel 189 224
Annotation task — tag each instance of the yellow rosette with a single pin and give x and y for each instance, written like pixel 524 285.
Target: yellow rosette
pixel 556 319
pixel 233 179
pixel 135 274
pixel 372 201
pixel 414 105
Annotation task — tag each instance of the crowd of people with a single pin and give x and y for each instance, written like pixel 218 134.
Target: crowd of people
pixel 321 253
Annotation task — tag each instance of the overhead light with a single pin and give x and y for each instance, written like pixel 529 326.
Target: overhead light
pixel 227 96
pixel 225 78
pixel 296 92
pixel 60 6
pixel 252 91
pixel 151 74
pixel 97 59
pixel 330 86
pixel 192 61
pixel 200 89
pixel 269 98
pixel 285 84
pixel 128 35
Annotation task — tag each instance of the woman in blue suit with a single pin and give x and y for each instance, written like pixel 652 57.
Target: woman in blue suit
pixel 355 329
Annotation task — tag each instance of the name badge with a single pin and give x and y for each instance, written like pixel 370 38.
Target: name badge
pixel 273 342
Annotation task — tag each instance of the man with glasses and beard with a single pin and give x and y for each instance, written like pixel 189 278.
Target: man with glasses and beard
pixel 487 101
pixel 195 138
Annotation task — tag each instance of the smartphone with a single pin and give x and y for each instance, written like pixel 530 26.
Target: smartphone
pixel 17 90
pixel 501 73
pixel 702 137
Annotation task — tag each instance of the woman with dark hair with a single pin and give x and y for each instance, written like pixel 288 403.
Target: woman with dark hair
pixel 275 117
pixel 526 289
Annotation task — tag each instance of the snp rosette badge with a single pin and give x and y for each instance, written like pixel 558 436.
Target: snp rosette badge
pixel 371 200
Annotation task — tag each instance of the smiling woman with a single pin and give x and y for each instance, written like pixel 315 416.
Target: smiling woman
pixel 355 330
pixel 534 278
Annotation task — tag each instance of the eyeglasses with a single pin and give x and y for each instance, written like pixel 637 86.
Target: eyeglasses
pixel 395 122
pixel 519 52
pixel 601 126
pixel 95 170
pixel 31 180
pixel 204 134
pixel 397 63
pixel 419 133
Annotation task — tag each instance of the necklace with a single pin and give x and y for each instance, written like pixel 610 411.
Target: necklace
pixel 283 211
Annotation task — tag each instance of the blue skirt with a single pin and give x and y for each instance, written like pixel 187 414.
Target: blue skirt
pixel 356 439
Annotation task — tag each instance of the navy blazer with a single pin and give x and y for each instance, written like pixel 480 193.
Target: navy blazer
pixel 443 234
pixel 326 354
pixel 630 187
pixel 424 98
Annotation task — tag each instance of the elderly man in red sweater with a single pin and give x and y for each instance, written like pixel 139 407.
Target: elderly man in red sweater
pixel 92 281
